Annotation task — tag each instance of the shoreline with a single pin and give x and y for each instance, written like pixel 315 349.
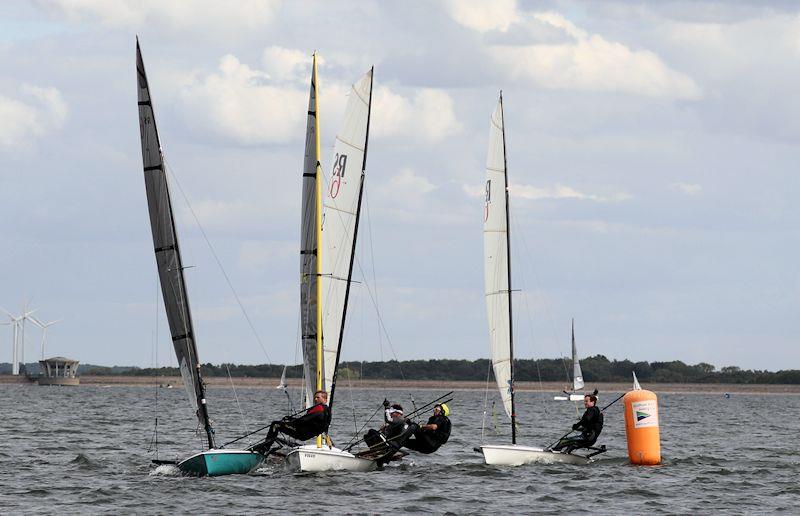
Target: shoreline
pixel 551 387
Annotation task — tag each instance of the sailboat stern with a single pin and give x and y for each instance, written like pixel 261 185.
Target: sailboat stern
pixel 214 463
pixel 312 459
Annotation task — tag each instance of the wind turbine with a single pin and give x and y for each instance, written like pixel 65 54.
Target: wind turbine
pixel 44 327
pixel 14 323
pixel 18 355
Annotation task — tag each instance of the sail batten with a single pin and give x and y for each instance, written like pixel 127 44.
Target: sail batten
pixel 167 252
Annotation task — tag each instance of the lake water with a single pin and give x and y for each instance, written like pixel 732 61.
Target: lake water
pixel 85 450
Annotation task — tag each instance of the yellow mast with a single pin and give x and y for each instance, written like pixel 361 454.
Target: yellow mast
pixel 318 201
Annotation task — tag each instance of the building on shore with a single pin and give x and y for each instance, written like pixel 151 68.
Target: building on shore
pixel 58 371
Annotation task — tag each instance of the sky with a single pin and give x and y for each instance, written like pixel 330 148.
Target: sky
pixel 652 151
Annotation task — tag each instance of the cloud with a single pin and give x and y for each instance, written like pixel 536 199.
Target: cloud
pixel 288 64
pixel 557 192
pixel 38 112
pixel 582 61
pixel 408 181
pixel 687 188
pixel 428 117
pixel 248 106
pixel 242 105
pixel 483 16
pixel 206 15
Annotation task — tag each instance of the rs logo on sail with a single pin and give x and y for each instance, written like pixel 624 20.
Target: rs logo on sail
pixel 339 164
pixel 488 199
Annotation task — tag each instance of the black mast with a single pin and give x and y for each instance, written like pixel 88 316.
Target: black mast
pixel 353 250
pixel 508 253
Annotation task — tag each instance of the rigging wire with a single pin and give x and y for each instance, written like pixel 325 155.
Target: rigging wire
pixel 236 397
pixel 216 259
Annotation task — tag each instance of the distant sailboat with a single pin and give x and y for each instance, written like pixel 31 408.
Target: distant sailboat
pixel 282 384
pixel 213 461
pixel 328 243
pixel 497 275
pixel 577 375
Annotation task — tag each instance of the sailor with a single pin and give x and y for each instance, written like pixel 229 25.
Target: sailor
pixel 590 426
pixel 314 422
pixel 429 437
pixel 392 436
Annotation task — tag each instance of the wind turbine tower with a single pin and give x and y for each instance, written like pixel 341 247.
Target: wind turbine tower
pixel 44 327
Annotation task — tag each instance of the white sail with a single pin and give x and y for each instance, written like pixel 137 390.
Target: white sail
pixel 577 374
pixel 339 220
pixel 495 249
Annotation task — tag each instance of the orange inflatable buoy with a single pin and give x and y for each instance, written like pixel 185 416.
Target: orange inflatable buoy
pixel 641 427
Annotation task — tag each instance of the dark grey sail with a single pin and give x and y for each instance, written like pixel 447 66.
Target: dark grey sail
pixel 167 251
pixel 309 246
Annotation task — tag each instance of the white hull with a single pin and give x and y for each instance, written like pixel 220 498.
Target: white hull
pixel 517 455
pixel 311 458
pixel 571 397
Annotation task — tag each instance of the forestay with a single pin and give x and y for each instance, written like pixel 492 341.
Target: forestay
pixel 340 219
pixel 167 251
pixel 495 248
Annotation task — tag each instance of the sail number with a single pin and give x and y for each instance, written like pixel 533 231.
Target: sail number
pixel 339 164
pixel 488 199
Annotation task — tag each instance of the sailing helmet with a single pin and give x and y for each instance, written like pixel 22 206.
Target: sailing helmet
pixel 445 409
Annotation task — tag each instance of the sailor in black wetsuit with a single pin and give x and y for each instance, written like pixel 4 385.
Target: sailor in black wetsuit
pixel 428 438
pixel 311 424
pixel 590 426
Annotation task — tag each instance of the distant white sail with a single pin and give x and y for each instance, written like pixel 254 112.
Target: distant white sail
pixel 577 375
pixel 495 248
pixel 339 220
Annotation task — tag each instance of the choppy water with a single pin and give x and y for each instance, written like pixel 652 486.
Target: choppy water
pixel 84 449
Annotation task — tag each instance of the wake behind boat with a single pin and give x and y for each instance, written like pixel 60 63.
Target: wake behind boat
pixel 211 462
pixel 497 276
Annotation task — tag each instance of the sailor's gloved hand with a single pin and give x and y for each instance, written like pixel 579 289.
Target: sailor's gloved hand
pixel 385 403
pixel 576 426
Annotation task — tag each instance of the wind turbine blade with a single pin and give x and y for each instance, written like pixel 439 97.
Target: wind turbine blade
pixel 37 322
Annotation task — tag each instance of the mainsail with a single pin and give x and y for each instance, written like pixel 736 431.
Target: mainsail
pixel 497 263
pixel 309 232
pixel 340 215
pixel 577 375
pixel 168 256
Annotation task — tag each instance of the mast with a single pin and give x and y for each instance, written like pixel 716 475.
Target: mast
pixel 355 237
pixel 508 257
pixel 167 252
pixel 318 228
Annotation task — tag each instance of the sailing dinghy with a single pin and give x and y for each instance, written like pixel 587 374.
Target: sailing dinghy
pixel 212 461
pixel 577 374
pixel 328 244
pixel 497 276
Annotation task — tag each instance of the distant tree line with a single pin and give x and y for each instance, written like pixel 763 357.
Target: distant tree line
pixel 595 369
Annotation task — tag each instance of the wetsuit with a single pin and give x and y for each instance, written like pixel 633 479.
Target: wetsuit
pixel 311 424
pixel 590 426
pixel 428 441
